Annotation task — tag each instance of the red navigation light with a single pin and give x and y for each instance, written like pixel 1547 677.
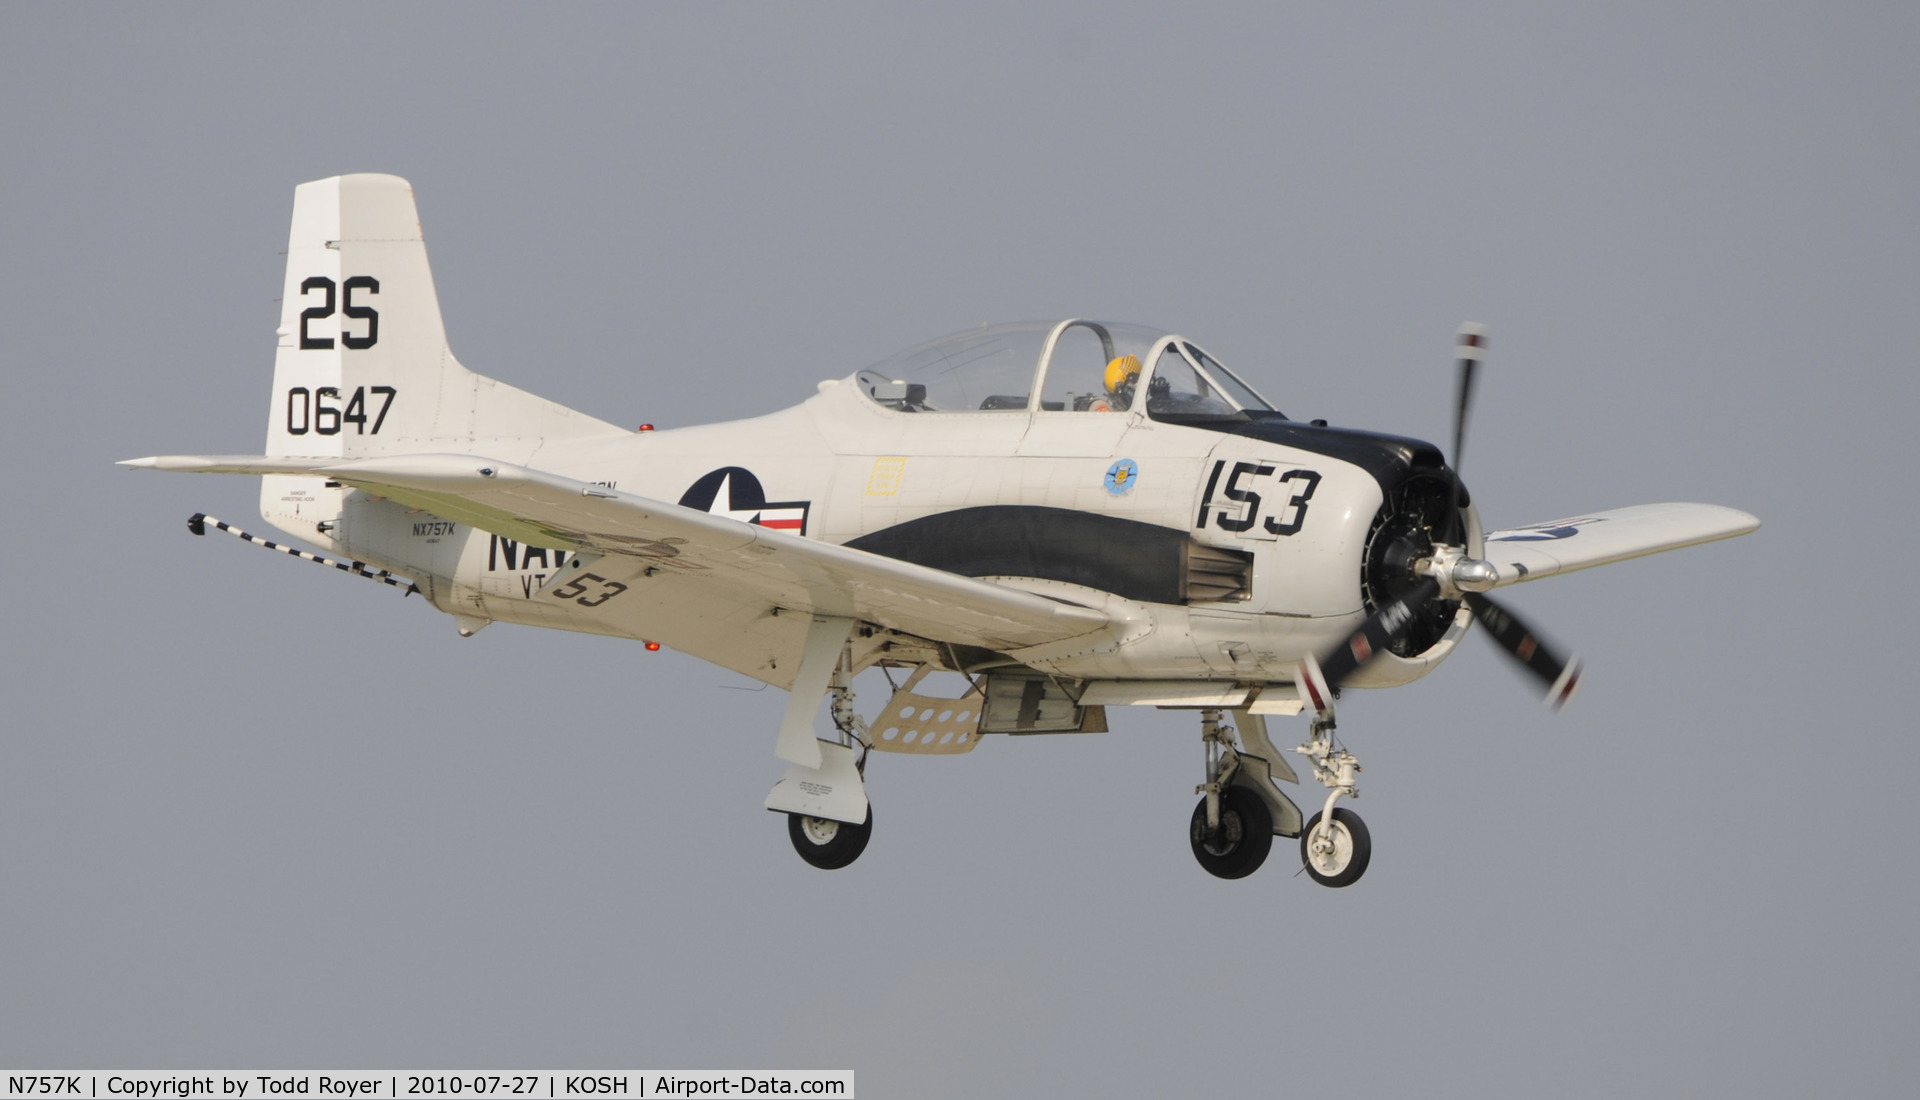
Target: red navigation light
pixel 646 427
pixel 653 647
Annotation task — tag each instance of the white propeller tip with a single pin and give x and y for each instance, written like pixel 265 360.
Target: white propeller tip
pixel 1563 689
pixel 1472 342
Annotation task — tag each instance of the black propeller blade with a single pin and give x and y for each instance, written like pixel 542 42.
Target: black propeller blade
pixel 1561 675
pixel 1467 350
pixel 1379 632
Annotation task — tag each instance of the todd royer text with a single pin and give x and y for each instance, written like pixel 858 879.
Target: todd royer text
pixel 320 1084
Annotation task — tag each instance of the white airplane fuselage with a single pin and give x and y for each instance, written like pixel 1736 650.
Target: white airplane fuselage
pixel 841 468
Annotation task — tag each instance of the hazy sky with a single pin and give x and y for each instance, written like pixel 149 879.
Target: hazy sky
pixel 258 815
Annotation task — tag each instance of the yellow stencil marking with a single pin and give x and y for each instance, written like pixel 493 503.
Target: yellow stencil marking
pixel 885 481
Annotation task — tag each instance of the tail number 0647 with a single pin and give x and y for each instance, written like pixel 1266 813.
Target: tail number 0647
pixel 309 411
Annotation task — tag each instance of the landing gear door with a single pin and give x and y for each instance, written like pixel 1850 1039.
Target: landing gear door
pixel 1028 702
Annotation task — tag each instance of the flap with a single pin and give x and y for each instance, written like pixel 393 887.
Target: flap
pixel 1597 538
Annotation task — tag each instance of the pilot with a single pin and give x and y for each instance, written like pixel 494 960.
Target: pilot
pixel 1122 375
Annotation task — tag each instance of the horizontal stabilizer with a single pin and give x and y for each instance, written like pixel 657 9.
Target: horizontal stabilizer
pixel 230 464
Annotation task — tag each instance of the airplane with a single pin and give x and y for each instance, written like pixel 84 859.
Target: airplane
pixel 1071 515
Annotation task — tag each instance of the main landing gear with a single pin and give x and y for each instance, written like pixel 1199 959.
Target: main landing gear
pixel 1241 809
pixel 1232 829
pixel 822 841
pixel 824 792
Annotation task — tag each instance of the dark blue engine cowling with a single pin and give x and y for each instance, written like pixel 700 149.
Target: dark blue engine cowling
pixel 1389 458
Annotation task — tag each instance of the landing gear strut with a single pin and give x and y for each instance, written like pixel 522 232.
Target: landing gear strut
pixel 1232 829
pixel 824 791
pixel 1334 847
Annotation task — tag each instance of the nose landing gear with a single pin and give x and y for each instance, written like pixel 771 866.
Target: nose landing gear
pixel 1335 847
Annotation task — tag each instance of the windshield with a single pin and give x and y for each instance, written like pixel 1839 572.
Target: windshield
pixel 1179 389
pixel 1241 392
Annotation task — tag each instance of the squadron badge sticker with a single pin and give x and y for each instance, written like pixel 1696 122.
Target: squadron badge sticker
pixel 1121 476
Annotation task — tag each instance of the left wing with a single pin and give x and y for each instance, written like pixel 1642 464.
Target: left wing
pixel 702 557
pixel 1598 538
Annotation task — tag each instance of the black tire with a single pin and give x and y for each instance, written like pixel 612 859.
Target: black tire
pixel 828 845
pixel 1360 851
pixel 1240 845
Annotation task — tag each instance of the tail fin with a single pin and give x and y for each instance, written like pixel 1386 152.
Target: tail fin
pixel 363 366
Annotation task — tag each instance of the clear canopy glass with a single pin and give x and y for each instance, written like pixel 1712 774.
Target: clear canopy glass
pixel 1077 365
pixel 986 369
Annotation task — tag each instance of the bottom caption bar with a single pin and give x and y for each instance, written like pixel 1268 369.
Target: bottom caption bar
pixel 391 1085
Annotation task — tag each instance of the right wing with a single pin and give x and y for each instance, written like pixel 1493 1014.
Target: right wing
pixel 718 580
pixel 1598 538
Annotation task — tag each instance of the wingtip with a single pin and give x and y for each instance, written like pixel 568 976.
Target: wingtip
pixel 147 463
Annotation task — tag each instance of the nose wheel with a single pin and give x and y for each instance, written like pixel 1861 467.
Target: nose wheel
pixel 1336 854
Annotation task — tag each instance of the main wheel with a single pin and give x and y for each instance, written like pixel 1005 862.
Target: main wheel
pixel 1239 846
pixel 1345 859
pixel 827 844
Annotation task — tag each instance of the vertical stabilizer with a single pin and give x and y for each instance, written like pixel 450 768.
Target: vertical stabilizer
pixel 363 366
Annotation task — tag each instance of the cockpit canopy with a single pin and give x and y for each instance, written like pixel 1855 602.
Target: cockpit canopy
pixel 1074 366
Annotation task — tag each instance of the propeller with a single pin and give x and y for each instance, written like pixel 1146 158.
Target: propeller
pixel 1448 573
pixel 1467 349
pixel 1541 659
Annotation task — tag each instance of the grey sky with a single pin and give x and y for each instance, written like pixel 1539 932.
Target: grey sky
pixel 259 815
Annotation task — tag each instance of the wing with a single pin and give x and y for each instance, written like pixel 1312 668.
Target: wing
pixel 716 573
pixel 1597 538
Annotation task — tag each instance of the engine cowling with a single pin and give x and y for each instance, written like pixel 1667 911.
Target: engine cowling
pixel 1415 516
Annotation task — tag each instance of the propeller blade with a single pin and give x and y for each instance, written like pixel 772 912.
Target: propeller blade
pixel 1468 348
pixel 1379 632
pixel 1560 674
pixel 1467 351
